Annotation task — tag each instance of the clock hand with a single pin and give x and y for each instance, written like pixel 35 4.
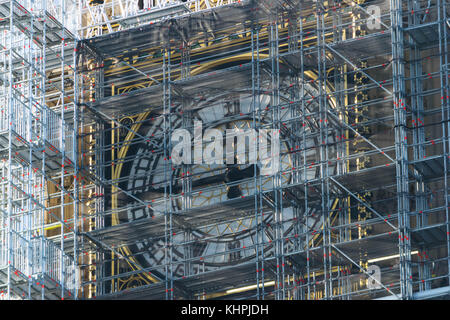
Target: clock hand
pixel 233 174
pixel 155 193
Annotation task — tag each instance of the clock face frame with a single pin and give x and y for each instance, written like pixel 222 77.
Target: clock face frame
pixel 211 246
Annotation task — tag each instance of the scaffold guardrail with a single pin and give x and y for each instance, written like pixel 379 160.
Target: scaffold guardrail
pixel 36 257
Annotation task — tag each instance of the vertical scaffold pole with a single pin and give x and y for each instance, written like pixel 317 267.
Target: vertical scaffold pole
pixel 401 145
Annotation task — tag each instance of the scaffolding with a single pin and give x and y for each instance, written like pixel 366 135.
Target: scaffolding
pixel 38 159
pixel 94 206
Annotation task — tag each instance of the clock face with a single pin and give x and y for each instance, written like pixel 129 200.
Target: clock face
pixel 214 185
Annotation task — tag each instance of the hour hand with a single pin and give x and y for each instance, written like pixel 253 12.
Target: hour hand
pixel 156 193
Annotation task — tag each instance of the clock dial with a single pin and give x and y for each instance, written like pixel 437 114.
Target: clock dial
pixel 211 185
